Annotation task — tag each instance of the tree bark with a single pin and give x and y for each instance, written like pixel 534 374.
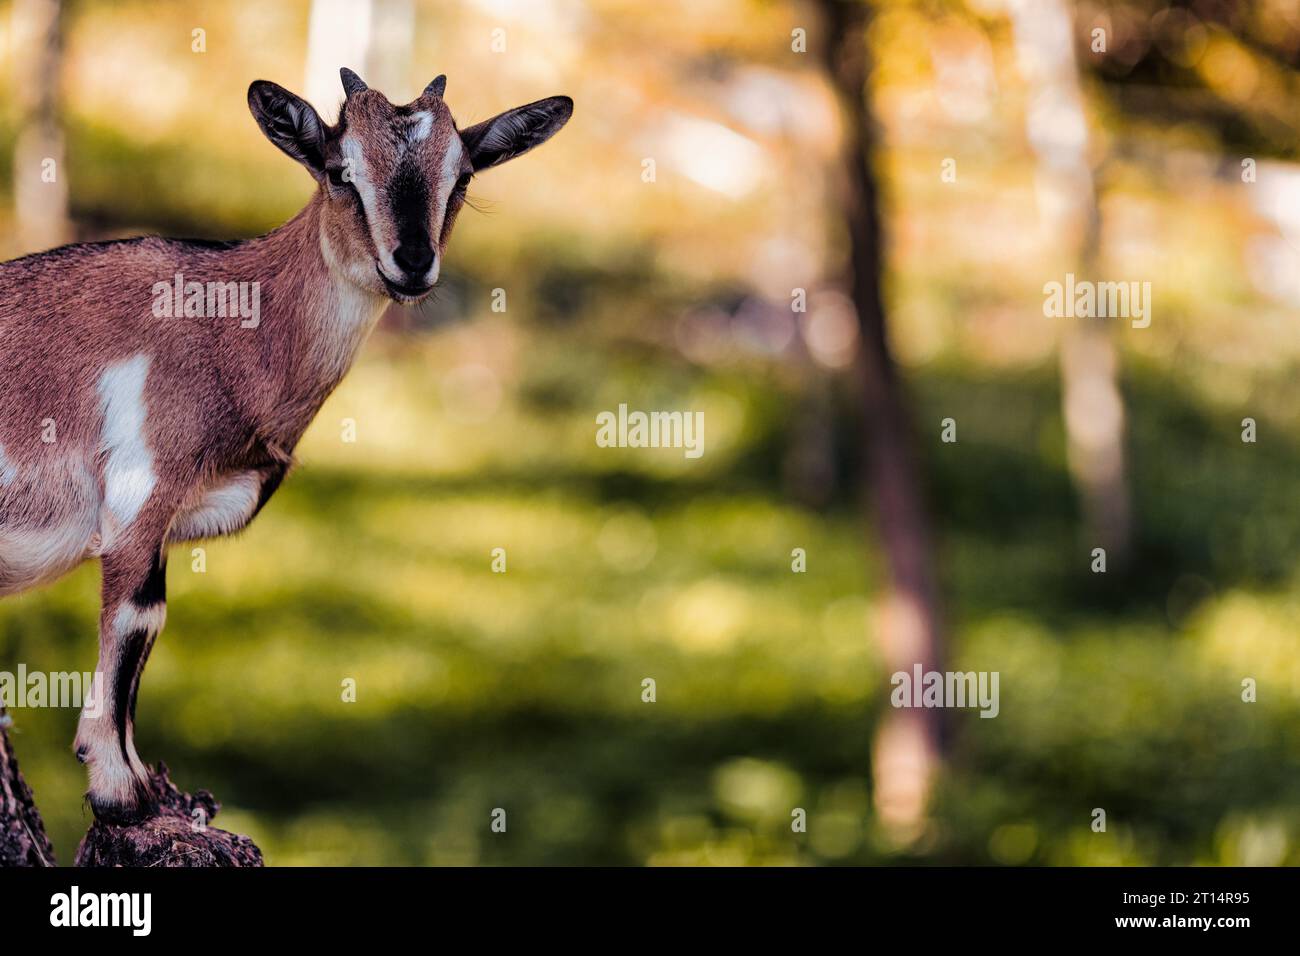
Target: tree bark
pixel 22 834
pixel 177 836
pixel 907 749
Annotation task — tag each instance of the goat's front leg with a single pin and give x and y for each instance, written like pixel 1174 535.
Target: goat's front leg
pixel 131 617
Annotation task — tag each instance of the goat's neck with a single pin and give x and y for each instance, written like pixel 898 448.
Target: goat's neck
pixel 313 322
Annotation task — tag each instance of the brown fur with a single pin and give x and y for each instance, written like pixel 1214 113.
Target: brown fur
pixel 192 422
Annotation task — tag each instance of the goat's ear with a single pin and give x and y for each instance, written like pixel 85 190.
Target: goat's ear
pixel 290 123
pixel 515 131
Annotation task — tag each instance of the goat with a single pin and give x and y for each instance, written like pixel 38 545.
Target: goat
pixel 123 432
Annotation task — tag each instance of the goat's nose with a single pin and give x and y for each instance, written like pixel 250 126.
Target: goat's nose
pixel 414 260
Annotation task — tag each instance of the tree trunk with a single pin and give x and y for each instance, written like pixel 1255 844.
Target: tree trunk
pixel 374 37
pixel 338 34
pixel 906 752
pixel 39 177
pixel 1092 404
pixel 22 835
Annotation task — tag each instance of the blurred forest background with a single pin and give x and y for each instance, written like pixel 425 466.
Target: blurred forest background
pixel 1006 150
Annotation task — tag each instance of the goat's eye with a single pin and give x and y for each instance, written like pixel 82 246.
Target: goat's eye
pixel 462 184
pixel 336 177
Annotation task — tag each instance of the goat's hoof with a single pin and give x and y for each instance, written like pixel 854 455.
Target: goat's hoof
pixel 120 814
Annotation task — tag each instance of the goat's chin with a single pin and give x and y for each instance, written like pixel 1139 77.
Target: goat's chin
pixel 406 295
pixel 403 299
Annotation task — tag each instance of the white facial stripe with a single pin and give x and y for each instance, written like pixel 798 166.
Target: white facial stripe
pixel 8 470
pixel 447 176
pixel 421 126
pixel 369 202
pixel 450 169
pixel 128 470
pixel 419 129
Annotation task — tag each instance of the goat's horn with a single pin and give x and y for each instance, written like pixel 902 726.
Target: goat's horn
pixel 438 86
pixel 351 82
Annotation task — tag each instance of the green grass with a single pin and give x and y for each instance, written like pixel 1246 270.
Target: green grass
pixel 479 690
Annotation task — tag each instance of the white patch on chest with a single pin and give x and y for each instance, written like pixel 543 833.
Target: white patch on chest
pixel 350 317
pixel 347 315
pixel 129 478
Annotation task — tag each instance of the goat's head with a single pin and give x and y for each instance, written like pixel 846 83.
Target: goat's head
pixel 393 178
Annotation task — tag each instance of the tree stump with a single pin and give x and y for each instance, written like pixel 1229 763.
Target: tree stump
pixel 178 836
pixel 22 834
